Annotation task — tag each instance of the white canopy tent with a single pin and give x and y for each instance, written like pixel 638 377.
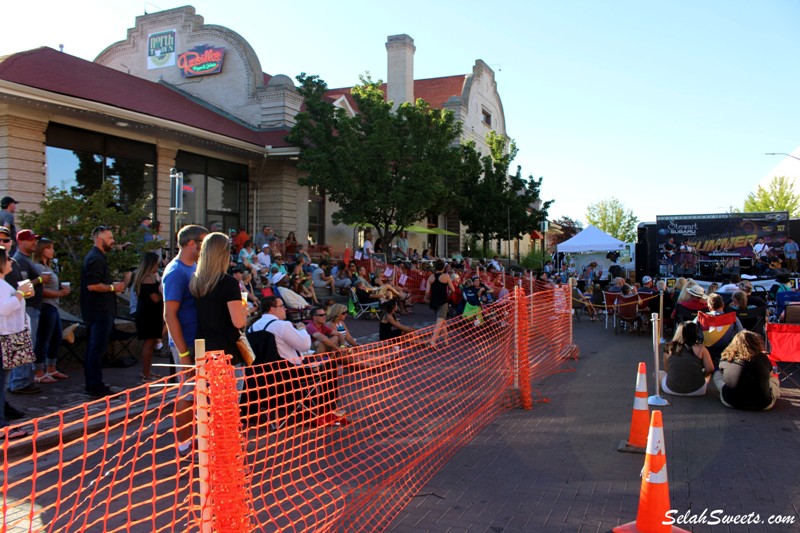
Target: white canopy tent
pixel 591 239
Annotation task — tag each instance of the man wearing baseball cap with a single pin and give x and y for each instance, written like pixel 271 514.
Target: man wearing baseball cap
pixel 21 379
pixel 647 286
pixel 8 206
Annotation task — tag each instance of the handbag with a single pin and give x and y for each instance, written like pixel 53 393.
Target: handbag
pixel 245 350
pixel 17 348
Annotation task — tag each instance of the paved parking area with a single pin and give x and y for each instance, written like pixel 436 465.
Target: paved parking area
pixel 556 468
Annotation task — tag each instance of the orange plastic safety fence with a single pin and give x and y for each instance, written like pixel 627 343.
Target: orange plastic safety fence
pixel 277 456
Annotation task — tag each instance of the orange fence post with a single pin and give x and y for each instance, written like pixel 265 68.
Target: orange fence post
pixel 224 495
pixel 201 408
pixel 522 376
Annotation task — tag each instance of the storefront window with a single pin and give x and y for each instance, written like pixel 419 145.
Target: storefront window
pixel 68 170
pixel 194 198
pixel 79 161
pixel 316 220
pixel 214 192
pixel 223 195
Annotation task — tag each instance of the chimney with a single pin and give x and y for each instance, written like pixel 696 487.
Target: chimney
pixel 400 73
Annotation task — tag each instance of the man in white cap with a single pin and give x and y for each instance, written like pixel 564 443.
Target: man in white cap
pixel 264 258
pixel 647 286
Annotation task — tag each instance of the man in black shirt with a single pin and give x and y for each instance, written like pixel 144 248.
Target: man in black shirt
pixel 98 308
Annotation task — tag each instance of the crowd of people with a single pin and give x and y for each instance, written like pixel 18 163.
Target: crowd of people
pixel 217 284
pixel 719 331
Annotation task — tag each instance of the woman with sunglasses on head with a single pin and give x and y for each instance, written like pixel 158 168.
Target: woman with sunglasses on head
pixel 12 320
pixel 221 314
pixel 48 335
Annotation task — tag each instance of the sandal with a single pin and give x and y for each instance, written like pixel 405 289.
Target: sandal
pixel 17 434
pixel 44 378
pixel 58 375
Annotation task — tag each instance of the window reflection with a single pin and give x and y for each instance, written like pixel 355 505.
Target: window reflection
pixel 67 169
pixel 193 198
pixel 223 195
pixel 79 161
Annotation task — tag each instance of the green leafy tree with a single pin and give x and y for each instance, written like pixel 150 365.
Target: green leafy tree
pixel 381 167
pixel 494 202
pixel 68 218
pixel 569 228
pixel 778 196
pixel 612 217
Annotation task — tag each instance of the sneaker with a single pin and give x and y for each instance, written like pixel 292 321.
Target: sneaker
pixel 30 389
pixel 17 434
pixel 185 450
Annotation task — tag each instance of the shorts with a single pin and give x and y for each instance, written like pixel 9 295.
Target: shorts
pixel 441 311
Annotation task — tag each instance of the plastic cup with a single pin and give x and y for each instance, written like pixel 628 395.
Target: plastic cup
pixel 244 297
pixel 66 284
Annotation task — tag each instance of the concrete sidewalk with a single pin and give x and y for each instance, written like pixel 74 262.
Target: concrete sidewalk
pixel 556 468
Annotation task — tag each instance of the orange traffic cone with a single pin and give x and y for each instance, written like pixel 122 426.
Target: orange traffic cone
pixel 654 495
pixel 640 418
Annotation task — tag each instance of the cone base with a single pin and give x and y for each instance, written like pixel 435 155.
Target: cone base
pixel 624 446
pixel 630 527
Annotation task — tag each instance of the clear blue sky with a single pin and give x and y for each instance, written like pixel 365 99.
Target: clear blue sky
pixel 669 106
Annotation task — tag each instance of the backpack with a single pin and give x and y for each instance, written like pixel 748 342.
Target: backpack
pixel 263 344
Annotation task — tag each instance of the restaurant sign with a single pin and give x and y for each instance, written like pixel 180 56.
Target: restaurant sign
pixel 161 49
pixel 201 61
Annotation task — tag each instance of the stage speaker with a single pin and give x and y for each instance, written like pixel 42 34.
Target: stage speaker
pixel 706 269
pixel 683 272
pixel 746 265
pixel 727 271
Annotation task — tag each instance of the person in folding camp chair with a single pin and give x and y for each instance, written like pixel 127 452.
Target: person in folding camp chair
pixel 746 379
pixel 718 327
pixel 292 343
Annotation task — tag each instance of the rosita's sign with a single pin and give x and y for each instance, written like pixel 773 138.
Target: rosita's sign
pixel 201 61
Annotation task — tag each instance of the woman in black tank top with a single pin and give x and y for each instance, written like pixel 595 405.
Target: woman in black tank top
pixel 438 285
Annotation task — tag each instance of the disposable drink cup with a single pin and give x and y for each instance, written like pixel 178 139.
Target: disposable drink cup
pixel 244 298
pixel 66 284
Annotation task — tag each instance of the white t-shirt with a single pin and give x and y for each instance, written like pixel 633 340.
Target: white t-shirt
pixel 264 260
pixel 288 339
pixel 367 248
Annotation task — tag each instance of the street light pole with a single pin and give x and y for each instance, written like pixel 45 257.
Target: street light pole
pixel 781 153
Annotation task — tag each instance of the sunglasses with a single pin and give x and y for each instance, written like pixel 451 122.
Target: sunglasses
pixel 323 316
pixel 5 240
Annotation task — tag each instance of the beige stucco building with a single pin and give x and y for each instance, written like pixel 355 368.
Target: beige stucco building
pixel 181 94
